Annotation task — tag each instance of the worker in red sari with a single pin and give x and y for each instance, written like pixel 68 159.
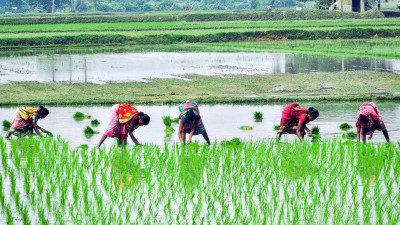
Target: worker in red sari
pixel 294 120
pixel 123 120
pixel 368 120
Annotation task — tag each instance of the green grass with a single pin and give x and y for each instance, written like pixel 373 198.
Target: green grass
pixel 245 182
pixel 364 85
pixel 246 127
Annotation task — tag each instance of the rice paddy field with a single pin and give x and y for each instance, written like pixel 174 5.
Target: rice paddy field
pixel 326 182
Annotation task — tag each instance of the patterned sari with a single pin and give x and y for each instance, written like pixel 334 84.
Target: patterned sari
pixel 187 126
pixel 120 115
pixel 20 126
pixel 374 119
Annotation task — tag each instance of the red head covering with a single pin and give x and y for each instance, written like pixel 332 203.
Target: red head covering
pixel 126 112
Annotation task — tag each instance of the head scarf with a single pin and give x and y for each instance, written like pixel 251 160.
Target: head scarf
pixel 126 112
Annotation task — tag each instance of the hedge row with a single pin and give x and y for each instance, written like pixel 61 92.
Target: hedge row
pixel 84 39
pixel 88 39
pixel 220 16
pixel 294 34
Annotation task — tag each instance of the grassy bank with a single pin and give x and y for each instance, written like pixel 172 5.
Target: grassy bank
pixel 351 86
pixel 181 16
pixel 45 181
pixel 87 33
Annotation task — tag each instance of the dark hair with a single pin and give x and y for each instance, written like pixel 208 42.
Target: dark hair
pixel 363 118
pixel 145 118
pixel 191 116
pixel 42 111
pixel 313 112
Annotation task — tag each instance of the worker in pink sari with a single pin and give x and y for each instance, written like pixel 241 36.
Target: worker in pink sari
pixel 123 120
pixel 368 120
pixel 294 120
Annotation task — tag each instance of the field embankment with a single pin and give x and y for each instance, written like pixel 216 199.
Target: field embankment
pixel 350 86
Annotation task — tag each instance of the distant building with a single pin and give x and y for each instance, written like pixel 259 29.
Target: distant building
pixel 351 5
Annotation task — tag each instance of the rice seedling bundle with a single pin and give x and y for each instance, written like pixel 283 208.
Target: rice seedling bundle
pixel 253 182
pixel 6 124
pixel 167 121
pixel 79 116
pixel 258 116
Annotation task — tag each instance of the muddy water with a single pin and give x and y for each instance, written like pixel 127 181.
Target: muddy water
pixel 125 67
pixel 222 122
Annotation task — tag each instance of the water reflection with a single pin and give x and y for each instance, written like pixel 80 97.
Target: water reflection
pixel 125 67
pixel 222 122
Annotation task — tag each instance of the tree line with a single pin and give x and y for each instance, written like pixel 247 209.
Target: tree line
pixel 51 6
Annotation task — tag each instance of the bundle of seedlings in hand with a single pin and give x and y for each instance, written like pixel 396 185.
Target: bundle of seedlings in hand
pixel 277 127
pixel 315 133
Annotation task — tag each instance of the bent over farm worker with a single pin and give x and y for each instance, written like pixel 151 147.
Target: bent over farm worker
pixel 294 119
pixel 25 121
pixel 190 122
pixel 368 120
pixel 123 120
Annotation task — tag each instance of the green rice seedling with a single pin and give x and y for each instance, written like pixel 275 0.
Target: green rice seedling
pixel 79 116
pixel 258 116
pixel 234 142
pixel 175 120
pixel 349 135
pixel 167 121
pixel 95 123
pixel 169 131
pixel 6 124
pixel 345 126
pixel 89 132
pixel 246 127
pixel 277 127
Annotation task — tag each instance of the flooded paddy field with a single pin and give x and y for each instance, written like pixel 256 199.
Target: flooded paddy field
pixel 130 67
pixel 331 181
pixel 222 122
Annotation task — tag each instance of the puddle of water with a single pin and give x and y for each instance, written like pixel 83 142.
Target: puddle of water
pixel 130 67
pixel 222 122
